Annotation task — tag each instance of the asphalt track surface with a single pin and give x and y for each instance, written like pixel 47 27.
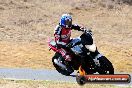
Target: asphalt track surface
pixel 42 74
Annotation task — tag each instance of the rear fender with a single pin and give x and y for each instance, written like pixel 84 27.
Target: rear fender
pixel 53 48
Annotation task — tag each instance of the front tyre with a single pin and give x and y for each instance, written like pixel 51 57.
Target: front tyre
pixel 58 68
pixel 106 66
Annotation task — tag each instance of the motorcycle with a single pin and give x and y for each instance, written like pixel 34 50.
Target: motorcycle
pixel 85 57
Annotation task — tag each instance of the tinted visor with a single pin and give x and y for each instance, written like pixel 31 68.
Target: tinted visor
pixel 68 22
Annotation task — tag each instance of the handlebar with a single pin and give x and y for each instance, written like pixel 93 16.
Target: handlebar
pixel 87 31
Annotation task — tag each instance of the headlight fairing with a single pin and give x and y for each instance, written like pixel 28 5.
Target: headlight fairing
pixel 91 48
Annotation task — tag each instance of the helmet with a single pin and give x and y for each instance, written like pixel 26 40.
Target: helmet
pixel 66 20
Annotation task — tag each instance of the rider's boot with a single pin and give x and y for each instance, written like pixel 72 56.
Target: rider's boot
pixel 67 60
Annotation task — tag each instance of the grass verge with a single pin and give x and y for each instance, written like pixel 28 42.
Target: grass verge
pixel 50 84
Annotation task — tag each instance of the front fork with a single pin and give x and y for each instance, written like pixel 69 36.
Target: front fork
pixel 81 70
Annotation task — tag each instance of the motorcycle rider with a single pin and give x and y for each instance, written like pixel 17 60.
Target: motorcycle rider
pixel 62 34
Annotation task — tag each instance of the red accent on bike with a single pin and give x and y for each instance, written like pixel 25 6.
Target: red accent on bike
pixel 53 48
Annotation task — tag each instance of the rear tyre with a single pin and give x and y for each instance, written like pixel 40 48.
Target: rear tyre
pixel 58 68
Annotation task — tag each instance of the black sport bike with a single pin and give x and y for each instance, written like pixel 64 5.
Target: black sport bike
pixel 84 53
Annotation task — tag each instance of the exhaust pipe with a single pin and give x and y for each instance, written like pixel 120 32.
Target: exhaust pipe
pixel 59 64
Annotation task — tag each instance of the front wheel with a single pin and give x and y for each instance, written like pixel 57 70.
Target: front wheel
pixel 106 66
pixel 58 68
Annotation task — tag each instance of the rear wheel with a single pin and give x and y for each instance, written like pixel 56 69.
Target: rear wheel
pixel 58 68
pixel 106 66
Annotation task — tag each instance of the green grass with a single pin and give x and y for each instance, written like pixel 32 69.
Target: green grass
pixel 52 84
